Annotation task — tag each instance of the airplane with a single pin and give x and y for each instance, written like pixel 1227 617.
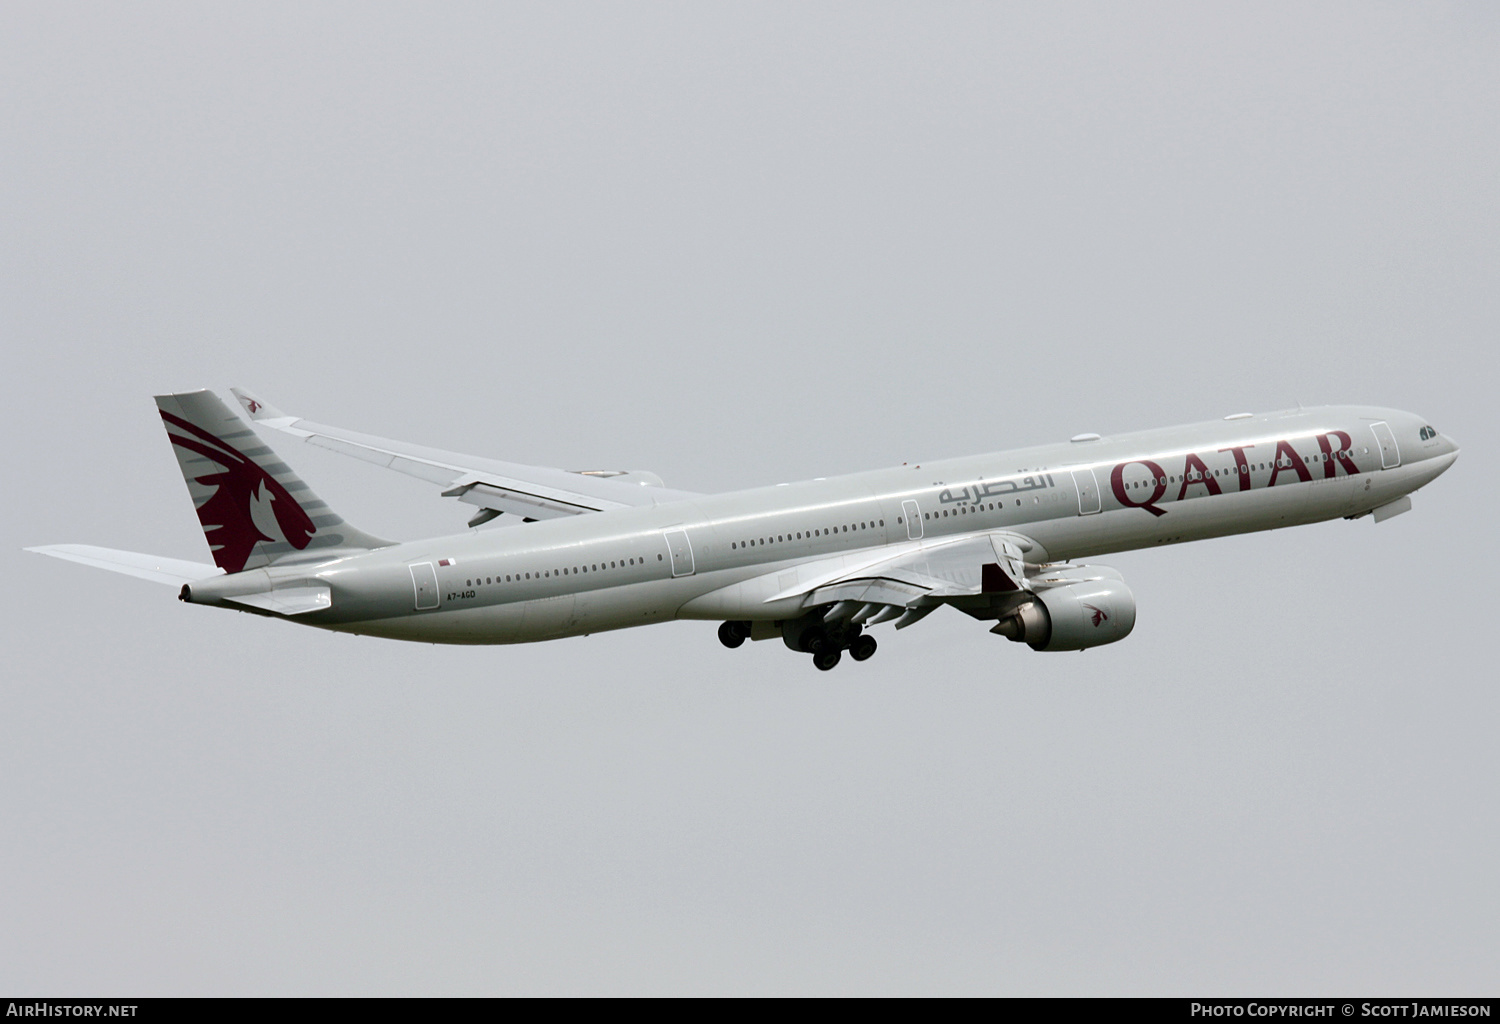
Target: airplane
pixel 815 563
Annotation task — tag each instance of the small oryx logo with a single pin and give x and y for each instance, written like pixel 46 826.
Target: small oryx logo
pixel 1099 614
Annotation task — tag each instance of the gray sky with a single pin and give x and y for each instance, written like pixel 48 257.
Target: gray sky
pixel 738 245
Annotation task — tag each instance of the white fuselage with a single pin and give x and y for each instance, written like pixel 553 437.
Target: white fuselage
pixel 729 556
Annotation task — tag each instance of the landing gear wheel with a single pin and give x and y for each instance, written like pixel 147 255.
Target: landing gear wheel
pixel 729 635
pixel 826 660
pixel 863 648
pixel 814 640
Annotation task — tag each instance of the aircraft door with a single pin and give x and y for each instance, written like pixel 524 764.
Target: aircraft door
pixel 682 552
pixel 1088 491
pixel 913 516
pixel 1390 454
pixel 425 583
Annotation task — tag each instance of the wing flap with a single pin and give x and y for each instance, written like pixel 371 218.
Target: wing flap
pixel 522 502
pixel 954 568
pixel 887 590
pixel 910 581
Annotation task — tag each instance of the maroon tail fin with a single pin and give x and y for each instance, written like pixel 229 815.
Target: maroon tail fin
pixel 253 508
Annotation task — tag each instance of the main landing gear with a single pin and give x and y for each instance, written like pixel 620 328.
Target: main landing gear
pixel 826 642
pixel 860 649
pixel 732 634
pixel 859 645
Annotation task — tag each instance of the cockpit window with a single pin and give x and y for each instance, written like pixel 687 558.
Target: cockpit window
pixel 1428 433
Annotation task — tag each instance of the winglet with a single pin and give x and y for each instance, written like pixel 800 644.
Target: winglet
pixel 268 415
pixel 257 409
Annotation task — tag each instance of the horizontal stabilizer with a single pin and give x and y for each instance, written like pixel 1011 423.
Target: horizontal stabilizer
pixel 291 601
pixel 172 571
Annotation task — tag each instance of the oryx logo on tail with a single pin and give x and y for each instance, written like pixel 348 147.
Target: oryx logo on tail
pixel 247 506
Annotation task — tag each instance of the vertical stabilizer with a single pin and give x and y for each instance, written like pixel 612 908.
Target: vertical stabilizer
pixel 254 509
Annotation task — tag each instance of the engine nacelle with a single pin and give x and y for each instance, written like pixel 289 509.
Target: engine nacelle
pixel 1072 617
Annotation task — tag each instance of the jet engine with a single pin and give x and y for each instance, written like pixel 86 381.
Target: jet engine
pixel 1072 617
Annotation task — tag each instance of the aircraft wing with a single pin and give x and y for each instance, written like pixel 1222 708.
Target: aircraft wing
pixel 494 487
pixel 911 584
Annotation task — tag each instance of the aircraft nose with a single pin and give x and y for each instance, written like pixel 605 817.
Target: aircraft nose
pixel 1446 457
